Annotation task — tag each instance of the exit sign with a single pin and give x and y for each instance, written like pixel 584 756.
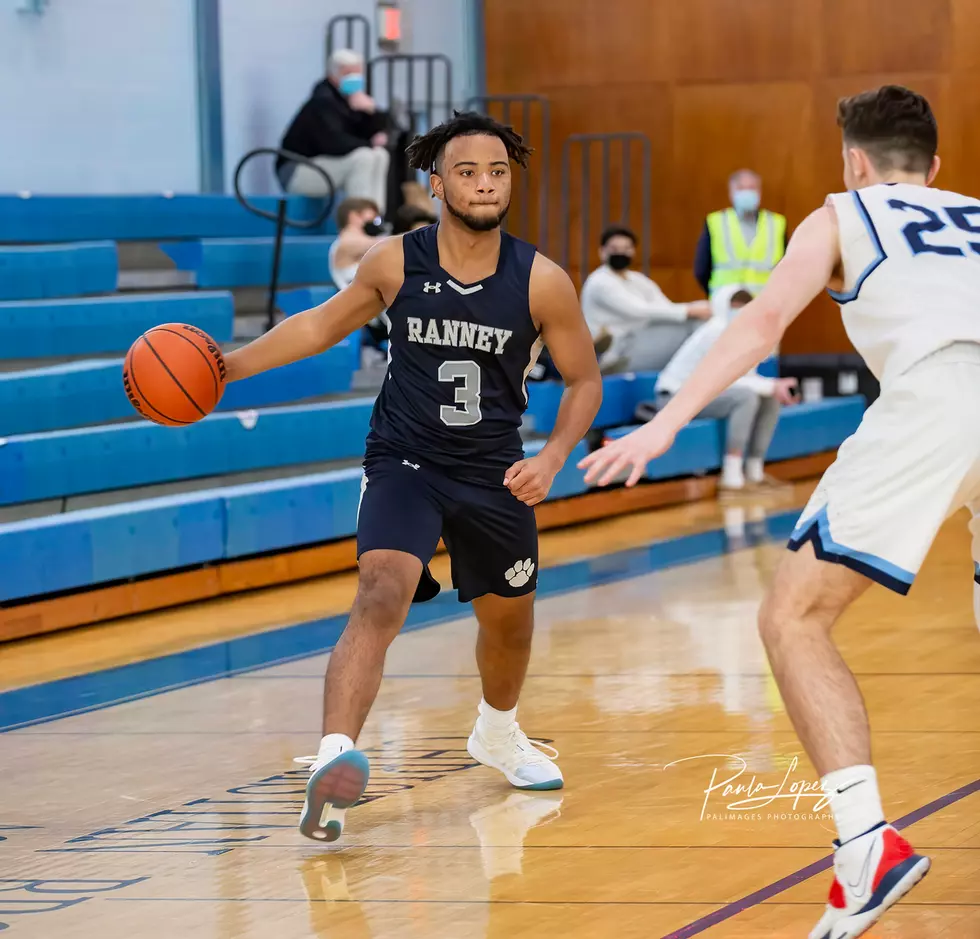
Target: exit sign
pixel 389 25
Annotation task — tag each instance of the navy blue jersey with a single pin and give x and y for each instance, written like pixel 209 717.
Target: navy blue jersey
pixel 455 394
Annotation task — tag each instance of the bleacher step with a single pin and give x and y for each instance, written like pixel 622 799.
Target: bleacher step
pixel 28 510
pixel 145 280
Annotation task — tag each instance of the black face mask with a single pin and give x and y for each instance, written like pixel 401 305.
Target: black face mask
pixel 373 228
pixel 619 262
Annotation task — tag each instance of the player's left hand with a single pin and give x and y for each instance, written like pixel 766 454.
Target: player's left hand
pixel 530 480
pixel 634 450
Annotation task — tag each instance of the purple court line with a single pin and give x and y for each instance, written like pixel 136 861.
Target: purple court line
pixel 811 870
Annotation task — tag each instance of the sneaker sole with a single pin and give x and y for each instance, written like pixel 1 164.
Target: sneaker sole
pixel 331 790
pixel 859 923
pixel 476 750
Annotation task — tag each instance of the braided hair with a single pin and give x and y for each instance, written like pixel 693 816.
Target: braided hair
pixel 424 152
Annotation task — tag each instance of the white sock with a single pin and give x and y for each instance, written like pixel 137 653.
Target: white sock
pixel 854 800
pixel 495 721
pixel 755 469
pixel 332 746
pixel 731 471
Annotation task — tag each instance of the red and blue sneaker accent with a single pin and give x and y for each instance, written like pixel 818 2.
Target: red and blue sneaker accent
pixel 872 873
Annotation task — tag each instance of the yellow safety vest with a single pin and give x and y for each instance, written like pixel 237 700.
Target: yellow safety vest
pixel 735 262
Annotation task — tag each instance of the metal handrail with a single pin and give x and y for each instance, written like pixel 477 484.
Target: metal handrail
pixel 349 20
pixel 279 216
pixel 626 139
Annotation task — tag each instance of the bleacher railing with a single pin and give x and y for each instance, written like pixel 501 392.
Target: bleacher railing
pixel 347 25
pixel 610 145
pixel 279 217
pixel 530 116
pixel 423 83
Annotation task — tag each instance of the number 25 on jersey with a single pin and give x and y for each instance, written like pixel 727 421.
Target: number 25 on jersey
pixel 922 235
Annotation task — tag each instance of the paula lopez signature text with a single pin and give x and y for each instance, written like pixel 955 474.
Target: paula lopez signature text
pixel 751 794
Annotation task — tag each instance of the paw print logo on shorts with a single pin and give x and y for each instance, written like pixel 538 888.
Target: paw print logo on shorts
pixel 520 573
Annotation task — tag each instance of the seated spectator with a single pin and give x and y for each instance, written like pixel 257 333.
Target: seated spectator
pixel 359 229
pixel 343 132
pixel 410 217
pixel 750 406
pixel 644 327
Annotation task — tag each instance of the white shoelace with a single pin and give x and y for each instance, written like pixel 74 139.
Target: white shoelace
pixel 537 750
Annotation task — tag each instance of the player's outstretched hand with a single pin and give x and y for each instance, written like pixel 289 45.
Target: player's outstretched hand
pixel 634 450
pixel 530 480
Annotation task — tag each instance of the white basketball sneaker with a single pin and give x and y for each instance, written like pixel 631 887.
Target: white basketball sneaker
pixel 517 757
pixel 872 873
pixel 333 787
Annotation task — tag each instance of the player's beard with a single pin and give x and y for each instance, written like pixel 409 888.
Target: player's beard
pixel 476 222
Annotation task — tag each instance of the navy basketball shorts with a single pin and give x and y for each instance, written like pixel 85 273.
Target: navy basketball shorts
pixel 492 538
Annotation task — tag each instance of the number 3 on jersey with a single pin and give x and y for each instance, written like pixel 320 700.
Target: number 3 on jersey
pixel 966 218
pixel 466 411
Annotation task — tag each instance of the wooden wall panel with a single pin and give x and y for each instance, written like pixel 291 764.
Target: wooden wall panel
pixel 862 37
pixel 965 28
pixel 719 84
pixel 725 41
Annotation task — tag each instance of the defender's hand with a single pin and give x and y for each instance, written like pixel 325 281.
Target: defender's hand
pixel 634 450
pixel 530 480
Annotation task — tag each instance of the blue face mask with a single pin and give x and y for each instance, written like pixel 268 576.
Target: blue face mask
pixel 745 201
pixel 351 84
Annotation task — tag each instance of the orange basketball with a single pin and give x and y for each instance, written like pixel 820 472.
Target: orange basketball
pixel 174 374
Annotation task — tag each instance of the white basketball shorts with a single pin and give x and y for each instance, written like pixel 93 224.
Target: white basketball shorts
pixel 911 464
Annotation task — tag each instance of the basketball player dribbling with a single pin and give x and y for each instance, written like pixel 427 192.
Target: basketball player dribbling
pixel 903 261
pixel 468 308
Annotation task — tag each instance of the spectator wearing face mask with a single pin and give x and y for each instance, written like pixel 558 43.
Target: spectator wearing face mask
pixel 359 229
pixel 628 314
pixel 740 246
pixel 750 406
pixel 341 130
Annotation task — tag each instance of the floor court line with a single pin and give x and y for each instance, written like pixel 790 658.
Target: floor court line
pixel 811 870
pixel 563 675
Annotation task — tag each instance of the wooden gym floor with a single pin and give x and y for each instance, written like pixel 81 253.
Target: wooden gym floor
pixel 174 814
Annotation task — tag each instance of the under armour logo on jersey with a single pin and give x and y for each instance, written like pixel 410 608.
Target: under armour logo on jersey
pixel 414 466
pixel 432 288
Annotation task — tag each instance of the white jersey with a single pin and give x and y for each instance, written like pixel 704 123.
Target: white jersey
pixel 911 263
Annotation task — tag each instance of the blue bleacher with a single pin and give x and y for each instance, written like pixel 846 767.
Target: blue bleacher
pixel 99 546
pixel 90 392
pixel 697 450
pixel 803 429
pixel 247 262
pixel 295 301
pixel 815 427
pixel 99 325
pixel 284 513
pixel 37 272
pixel 144 217
pixel 34 467
pixel 620 396
pixel 63 552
